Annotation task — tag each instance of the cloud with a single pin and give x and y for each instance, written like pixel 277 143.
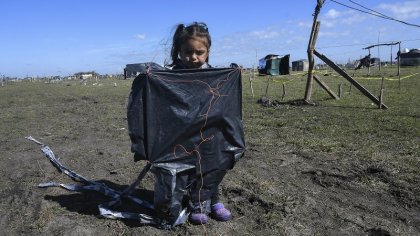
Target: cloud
pixel 332 14
pixel 305 24
pixel 403 10
pixel 334 34
pixel 353 19
pixel 140 36
pixel 336 18
pixel 107 48
pixel 331 18
pixel 265 34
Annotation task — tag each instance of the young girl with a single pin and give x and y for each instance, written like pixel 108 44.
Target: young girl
pixel 190 50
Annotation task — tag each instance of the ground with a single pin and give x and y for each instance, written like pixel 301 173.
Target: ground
pixel 336 168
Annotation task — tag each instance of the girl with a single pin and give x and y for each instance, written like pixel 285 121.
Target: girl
pixel 190 50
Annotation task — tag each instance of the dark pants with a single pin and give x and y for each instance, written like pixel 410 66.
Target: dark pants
pixel 206 187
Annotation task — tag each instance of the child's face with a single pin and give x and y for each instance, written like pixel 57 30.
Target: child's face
pixel 194 53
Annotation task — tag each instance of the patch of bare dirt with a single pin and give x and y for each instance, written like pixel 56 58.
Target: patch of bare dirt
pixel 273 191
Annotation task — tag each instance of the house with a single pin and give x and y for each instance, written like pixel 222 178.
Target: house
pixel 86 75
pixel 274 65
pixel 350 65
pixel 132 70
pixel 410 58
pixel 300 65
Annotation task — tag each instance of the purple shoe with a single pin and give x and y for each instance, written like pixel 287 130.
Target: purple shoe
pixel 220 213
pixel 198 216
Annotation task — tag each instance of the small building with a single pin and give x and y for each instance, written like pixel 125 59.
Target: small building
pixel 274 65
pixel 132 70
pixel 300 65
pixel 86 75
pixel 410 58
pixel 350 65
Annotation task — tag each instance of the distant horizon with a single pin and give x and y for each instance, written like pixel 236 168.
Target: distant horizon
pixel 122 72
pixel 58 38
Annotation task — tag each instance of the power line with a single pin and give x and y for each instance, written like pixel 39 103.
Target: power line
pixel 344 45
pixel 410 40
pixel 385 16
pixel 363 44
pixel 374 13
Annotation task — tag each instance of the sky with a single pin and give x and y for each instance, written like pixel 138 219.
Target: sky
pixel 63 37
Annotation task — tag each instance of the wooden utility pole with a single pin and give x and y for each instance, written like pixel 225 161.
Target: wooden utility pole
pixel 399 55
pixel 369 63
pixel 379 55
pixel 311 47
pixel 391 57
pixel 312 52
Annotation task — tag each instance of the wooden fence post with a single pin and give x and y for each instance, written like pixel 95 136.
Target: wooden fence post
pixel 340 90
pixel 250 85
pixel 284 91
pixel 266 88
pixel 380 105
pixel 381 99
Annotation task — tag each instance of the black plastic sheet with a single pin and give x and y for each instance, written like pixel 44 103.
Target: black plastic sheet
pixel 188 124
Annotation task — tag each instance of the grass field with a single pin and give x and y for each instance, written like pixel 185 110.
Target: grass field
pixel 338 167
pixel 352 124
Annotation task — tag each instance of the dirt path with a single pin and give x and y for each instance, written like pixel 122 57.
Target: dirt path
pixel 273 191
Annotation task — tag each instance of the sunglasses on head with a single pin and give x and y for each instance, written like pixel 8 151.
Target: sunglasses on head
pixel 200 24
